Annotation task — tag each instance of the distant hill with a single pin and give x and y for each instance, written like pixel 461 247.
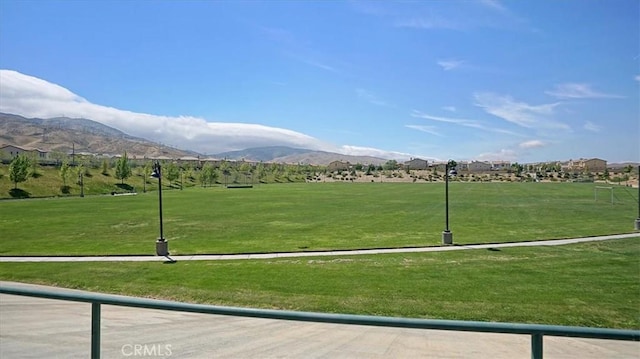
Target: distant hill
pixel 283 154
pixel 78 134
pixel 86 136
pixel 261 154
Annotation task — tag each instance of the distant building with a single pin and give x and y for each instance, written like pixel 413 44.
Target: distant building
pixel 14 151
pixel 500 165
pixel 592 165
pixel 416 164
pixel 478 166
pixel 338 166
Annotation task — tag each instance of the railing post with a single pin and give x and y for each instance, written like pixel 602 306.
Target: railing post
pixel 95 330
pixel 536 346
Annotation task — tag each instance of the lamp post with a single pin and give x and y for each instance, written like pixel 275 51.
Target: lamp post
pixel 162 247
pixel 638 219
pixel 447 236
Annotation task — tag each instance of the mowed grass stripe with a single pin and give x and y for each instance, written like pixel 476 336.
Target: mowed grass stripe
pixel 308 216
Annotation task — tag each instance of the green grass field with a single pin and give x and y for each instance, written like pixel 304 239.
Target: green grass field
pixel 592 284
pixel 589 284
pixel 309 216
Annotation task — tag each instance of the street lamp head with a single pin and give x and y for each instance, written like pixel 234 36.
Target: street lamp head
pixel 157 172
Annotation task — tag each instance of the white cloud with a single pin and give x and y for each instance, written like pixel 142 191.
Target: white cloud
pixel 501 155
pixel 450 108
pixel 578 91
pixel 368 151
pixel 519 113
pixel 462 122
pixel 32 97
pixel 370 97
pixel 448 65
pixel 590 126
pixel 428 129
pixel 532 144
pixel 637 78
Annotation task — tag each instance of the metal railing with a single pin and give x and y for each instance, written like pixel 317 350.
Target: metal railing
pixel 536 331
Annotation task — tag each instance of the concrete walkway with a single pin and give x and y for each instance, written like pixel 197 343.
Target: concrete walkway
pixel 44 328
pixel 209 257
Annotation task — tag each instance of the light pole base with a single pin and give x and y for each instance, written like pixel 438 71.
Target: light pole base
pixel 447 237
pixel 638 224
pixel 162 247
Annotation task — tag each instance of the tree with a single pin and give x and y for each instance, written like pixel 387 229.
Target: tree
pixel 33 166
pixel 171 172
pixel 146 172
pixel 391 165
pixel 517 168
pixel 64 172
pixel 123 168
pixel 80 172
pixel 19 169
pixel 105 167
pixel 59 156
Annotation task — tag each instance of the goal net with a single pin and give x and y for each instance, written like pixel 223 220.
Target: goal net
pixel 603 193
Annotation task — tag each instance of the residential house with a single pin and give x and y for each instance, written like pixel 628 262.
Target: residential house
pixel 338 166
pixel 14 151
pixel 478 166
pixel 416 164
pixel 592 165
pixel 500 165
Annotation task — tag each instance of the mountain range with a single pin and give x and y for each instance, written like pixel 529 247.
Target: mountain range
pixel 81 135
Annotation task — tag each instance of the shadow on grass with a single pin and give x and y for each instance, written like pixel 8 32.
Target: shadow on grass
pixel 19 193
pixel 124 186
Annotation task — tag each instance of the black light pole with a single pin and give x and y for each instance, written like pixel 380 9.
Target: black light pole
pixel 162 247
pixel 638 219
pixel 447 236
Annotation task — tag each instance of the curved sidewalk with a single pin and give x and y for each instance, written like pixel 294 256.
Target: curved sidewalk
pixel 209 257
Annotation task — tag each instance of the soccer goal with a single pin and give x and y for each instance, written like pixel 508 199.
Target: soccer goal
pixel 601 192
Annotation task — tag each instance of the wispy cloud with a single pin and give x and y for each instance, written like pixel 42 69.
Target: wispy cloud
pixel 448 65
pixel 428 129
pixel 590 126
pixel 532 144
pixel 637 78
pixel 519 113
pixel 450 108
pixel 370 97
pixel 578 91
pixel 428 23
pixel 318 64
pixel 494 4
pixel 462 122
pixel 501 155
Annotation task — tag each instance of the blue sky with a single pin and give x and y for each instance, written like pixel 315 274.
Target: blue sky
pixel 522 81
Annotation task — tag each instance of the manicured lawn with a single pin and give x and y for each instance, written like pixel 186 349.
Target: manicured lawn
pixel 309 216
pixel 590 284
